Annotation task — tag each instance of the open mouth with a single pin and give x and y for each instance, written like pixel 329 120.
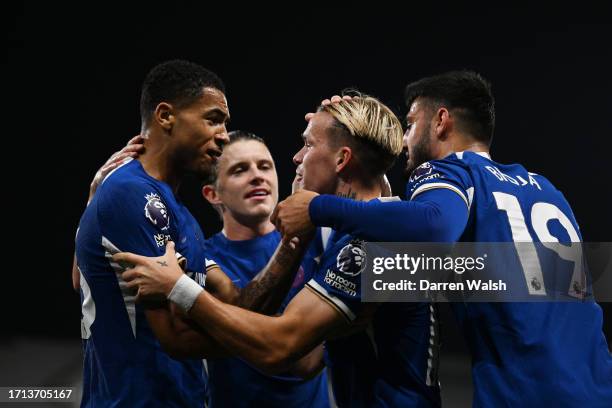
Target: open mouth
pixel 214 153
pixel 258 193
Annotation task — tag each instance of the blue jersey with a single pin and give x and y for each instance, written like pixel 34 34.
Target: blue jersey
pixel 524 354
pixel 232 382
pixel 393 363
pixel 124 364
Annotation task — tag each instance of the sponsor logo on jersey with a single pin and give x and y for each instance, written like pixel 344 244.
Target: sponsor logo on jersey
pixel 156 212
pixel 423 170
pixel 424 180
pixel 351 259
pixel 336 281
pixel 161 239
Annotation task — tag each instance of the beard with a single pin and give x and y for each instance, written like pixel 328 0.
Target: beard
pixel 420 154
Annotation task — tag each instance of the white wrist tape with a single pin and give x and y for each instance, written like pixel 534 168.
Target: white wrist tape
pixel 185 292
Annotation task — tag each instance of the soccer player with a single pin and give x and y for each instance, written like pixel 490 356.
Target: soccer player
pixel 348 146
pixel 133 148
pixel 523 354
pixel 184 113
pixel 244 189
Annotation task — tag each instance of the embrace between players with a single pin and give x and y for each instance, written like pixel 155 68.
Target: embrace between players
pixel 269 289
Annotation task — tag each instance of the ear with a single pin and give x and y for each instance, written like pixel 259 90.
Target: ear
pixel 210 194
pixel 442 123
pixel 343 158
pixel 164 115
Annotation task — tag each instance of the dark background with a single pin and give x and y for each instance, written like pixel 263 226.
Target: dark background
pixel 71 84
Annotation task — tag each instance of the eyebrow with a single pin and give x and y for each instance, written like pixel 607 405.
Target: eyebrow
pixel 267 161
pixel 246 163
pixel 236 165
pixel 218 112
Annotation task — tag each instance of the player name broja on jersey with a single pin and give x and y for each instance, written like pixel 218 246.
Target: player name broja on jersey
pixel 523 353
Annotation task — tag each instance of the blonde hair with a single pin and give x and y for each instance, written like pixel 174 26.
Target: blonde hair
pixel 367 118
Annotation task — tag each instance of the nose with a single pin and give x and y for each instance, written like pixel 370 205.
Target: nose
pixel 257 176
pixel 221 138
pixel 299 156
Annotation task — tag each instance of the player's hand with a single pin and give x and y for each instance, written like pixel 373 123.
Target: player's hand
pixel 153 276
pixel 334 99
pixel 133 148
pixel 291 216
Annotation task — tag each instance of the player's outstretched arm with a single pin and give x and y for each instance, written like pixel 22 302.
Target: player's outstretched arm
pixel 274 344
pixel 263 294
pixel 179 336
pixel 438 215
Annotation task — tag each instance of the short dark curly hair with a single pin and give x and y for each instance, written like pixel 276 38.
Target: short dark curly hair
pixel 178 82
pixel 465 92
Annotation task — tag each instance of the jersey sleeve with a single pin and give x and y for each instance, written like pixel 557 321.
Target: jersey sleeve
pixel 438 215
pixel 134 217
pixel 338 282
pixel 449 174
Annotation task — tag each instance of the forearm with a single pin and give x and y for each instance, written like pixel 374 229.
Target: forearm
pixel 265 293
pixel 180 339
pixel 310 365
pixel 437 216
pixel 266 342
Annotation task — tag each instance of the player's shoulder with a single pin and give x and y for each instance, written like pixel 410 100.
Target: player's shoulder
pixel 128 193
pixel 455 164
pixel 215 239
pixel 346 255
pixel 131 183
pixel 541 180
pixel 127 177
pixel 452 170
pixel 518 175
pixel 465 160
pixel 215 244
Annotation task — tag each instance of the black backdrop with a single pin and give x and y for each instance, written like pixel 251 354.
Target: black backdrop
pixel 71 81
